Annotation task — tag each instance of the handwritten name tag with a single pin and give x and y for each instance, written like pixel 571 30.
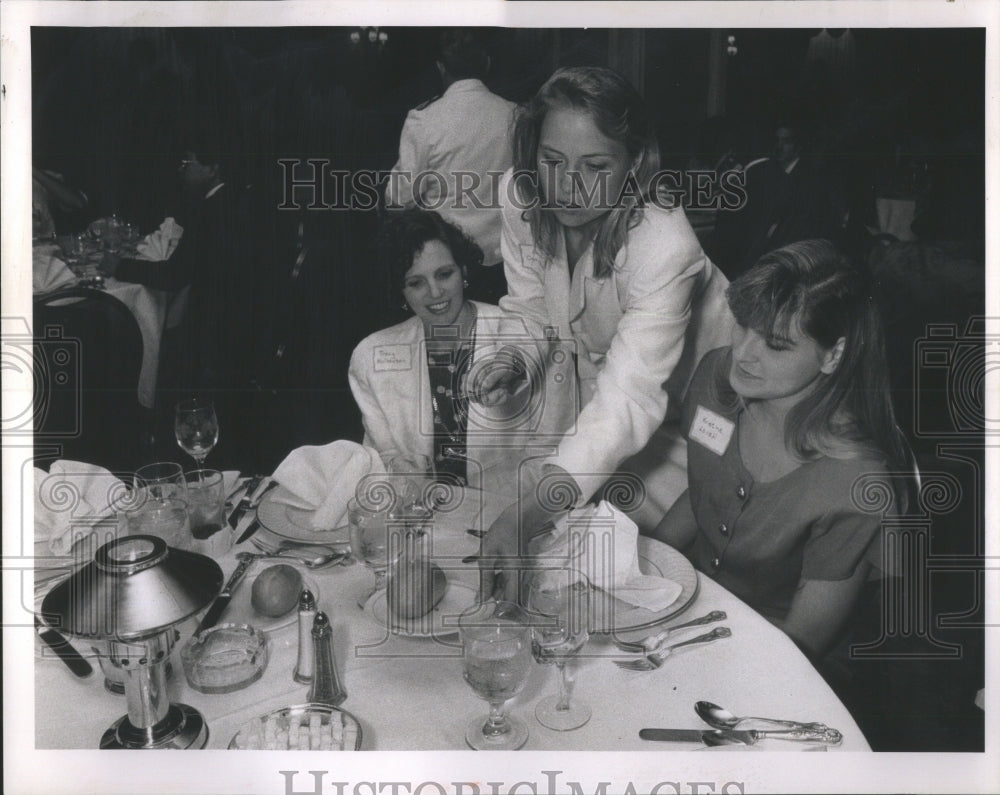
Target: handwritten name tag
pixel 711 430
pixel 389 358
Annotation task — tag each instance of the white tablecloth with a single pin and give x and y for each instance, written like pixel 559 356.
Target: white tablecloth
pixel 149 307
pixel 409 693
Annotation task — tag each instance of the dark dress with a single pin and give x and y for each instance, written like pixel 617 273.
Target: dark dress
pixel 758 540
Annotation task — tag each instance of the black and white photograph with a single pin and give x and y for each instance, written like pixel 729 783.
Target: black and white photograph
pixel 586 383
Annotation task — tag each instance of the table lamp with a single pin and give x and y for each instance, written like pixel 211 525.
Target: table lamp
pixel 132 595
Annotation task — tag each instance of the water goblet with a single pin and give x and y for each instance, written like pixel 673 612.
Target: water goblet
pixel 496 661
pixel 409 476
pixel 370 541
pixel 158 482
pixel 558 601
pixel 196 428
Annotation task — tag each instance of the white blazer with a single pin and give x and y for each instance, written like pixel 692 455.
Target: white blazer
pixel 390 383
pixel 639 333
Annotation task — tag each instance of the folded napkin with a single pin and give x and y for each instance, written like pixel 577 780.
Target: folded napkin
pixel 601 543
pixel 159 245
pixel 48 272
pixel 73 500
pixel 322 479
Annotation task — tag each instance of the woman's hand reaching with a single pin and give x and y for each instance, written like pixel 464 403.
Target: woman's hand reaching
pixel 494 379
pixel 504 549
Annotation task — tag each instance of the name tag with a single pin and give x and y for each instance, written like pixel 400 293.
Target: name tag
pixel 389 358
pixel 711 430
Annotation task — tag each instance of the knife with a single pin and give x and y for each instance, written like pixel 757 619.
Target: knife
pixel 246 502
pixel 63 649
pixel 221 602
pixel 745 737
pixel 254 526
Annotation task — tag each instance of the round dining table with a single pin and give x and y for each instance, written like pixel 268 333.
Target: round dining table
pixel 408 693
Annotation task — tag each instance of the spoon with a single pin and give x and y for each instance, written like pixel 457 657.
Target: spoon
pixel 311 557
pixel 720 718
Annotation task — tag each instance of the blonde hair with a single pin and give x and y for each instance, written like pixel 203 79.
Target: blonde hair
pixel 620 114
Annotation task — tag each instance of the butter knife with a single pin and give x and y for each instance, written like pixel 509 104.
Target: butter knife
pixel 221 602
pixel 254 526
pixel 63 649
pixel 244 505
pixel 745 737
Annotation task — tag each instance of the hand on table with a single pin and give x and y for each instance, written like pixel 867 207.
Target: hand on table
pixel 504 548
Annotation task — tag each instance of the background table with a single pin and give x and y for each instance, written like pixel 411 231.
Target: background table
pixel 149 307
pixel 408 693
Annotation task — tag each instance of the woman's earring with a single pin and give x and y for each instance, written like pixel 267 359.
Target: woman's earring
pixel 405 306
pixel 465 282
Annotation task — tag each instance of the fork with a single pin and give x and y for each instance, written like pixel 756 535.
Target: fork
pixel 653 661
pixel 652 642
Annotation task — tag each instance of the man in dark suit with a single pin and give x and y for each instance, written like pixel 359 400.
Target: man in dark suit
pixel 219 264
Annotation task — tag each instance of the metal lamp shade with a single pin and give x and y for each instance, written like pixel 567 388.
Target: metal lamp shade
pixel 135 587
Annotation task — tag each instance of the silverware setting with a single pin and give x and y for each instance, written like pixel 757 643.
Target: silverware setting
pixel 653 642
pixel 254 526
pixel 720 718
pixel 246 503
pixel 651 662
pixel 312 557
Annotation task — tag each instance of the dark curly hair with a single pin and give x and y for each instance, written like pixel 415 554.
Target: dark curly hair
pixel 404 234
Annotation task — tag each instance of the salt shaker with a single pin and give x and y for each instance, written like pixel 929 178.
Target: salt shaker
pixel 326 686
pixel 307 614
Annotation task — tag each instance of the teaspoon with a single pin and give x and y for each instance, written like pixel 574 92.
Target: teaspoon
pixel 720 718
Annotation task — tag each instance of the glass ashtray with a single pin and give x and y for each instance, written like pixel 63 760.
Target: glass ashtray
pixel 303 727
pixel 225 658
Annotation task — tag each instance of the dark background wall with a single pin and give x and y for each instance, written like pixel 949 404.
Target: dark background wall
pixel 114 106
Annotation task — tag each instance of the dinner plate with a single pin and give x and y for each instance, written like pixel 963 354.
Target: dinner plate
pixel 440 622
pixel 240 611
pixel 657 559
pixel 275 514
pixel 321 728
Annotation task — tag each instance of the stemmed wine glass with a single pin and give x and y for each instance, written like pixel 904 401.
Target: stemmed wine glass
pixel 558 600
pixel 196 428
pixel 496 660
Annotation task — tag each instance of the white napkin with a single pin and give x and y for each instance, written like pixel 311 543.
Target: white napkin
pixel 322 479
pixel 48 272
pixel 72 501
pixel 159 245
pixel 601 543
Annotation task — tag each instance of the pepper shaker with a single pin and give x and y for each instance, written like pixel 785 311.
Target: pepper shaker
pixel 307 614
pixel 326 686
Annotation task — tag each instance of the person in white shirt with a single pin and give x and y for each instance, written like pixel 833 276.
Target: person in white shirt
pixel 452 152
pixel 623 279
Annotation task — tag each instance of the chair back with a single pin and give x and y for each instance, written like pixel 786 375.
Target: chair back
pixel 88 353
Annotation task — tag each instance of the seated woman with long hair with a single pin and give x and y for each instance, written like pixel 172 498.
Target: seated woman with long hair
pixel 412 381
pixel 781 426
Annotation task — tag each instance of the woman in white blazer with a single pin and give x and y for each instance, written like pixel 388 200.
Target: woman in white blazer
pixel 411 381
pixel 589 253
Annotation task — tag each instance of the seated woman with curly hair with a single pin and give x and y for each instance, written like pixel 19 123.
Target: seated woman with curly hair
pixel 412 381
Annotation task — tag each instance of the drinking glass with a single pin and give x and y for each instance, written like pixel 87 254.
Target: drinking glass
pixel 207 509
pixel 160 481
pixel 369 534
pixel 409 476
pixel 166 518
pixel 558 601
pixel 196 428
pixel 496 660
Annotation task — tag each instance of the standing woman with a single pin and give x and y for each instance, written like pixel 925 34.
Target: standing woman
pixel 783 426
pixel 620 279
